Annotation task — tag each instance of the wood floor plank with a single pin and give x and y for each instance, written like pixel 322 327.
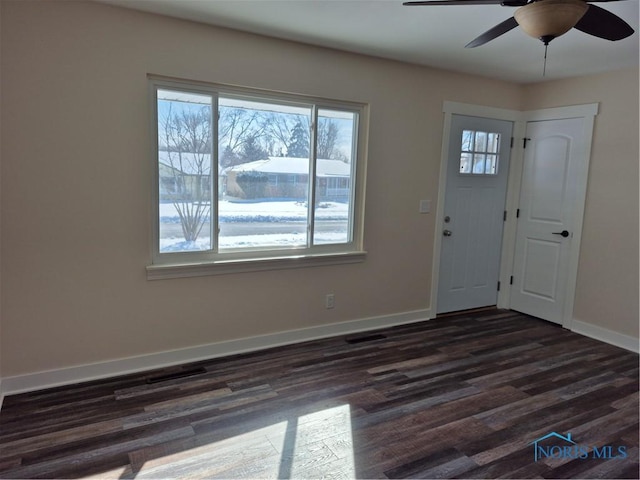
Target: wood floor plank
pixel 462 396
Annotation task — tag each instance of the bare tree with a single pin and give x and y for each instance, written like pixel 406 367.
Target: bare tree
pixel 240 129
pixel 327 138
pixel 235 126
pixel 186 138
pixel 279 129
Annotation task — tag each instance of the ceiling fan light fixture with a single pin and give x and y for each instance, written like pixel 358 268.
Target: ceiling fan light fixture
pixel 548 19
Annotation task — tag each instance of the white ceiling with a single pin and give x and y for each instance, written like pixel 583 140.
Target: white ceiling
pixel 433 36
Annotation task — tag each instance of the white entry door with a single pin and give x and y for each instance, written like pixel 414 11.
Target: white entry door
pixel 553 170
pixel 475 194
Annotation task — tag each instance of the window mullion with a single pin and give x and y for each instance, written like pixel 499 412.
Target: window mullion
pixel 214 221
pixel 311 211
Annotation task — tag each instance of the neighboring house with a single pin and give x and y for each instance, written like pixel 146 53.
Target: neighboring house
pixel 184 176
pixel 288 177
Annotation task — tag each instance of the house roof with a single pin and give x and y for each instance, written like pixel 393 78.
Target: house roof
pixel 198 164
pixel 186 163
pixel 295 165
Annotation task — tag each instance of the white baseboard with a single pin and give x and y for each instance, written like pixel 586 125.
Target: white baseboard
pixel 605 335
pixel 66 376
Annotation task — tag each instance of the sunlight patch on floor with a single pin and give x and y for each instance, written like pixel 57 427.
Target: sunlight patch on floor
pixel 316 445
pixel 120 472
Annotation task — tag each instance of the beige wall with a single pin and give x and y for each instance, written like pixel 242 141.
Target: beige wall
pixel 607 287
pixel 77 188
pixel 0 205
pixel 76 192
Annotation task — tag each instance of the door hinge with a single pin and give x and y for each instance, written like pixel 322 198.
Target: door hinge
pixel 504 216
pixel 511 280
pixel 524 142
pixel 511 144
pixel 518 213
pixel 498 286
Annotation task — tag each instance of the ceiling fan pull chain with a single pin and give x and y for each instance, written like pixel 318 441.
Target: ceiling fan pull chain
pixel 544 67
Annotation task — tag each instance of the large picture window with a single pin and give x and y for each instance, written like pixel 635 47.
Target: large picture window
pixel 244 175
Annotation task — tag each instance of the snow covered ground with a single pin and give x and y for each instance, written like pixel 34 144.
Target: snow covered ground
pixel 264 215
pixel 277 211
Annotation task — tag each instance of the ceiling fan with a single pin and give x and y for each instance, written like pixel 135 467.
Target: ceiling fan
pixel 547 19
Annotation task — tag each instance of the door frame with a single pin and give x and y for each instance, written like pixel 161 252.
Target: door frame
pixel 482 291
pixel 519 118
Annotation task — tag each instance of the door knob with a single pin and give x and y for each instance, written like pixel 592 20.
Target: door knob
pixel 447 233
pixel 563 233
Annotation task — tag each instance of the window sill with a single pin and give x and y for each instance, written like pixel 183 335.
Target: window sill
pixel 223 267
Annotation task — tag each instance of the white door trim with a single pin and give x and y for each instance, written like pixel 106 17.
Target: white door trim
pixel 454 108
pixel 520 119
pixel 588 113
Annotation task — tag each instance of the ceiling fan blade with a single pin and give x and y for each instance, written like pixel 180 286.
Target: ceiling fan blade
pixel 495 32
pixel 604 24
pixel 505 3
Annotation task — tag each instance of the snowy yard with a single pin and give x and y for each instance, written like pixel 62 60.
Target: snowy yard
pixel 285 211
pixel 272 223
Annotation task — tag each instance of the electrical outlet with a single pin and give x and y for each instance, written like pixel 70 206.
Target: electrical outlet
pixel 330 300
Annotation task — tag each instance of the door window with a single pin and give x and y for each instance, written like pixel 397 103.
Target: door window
pixel 479 152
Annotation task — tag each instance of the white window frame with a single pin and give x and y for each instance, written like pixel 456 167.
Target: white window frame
pixel 189 264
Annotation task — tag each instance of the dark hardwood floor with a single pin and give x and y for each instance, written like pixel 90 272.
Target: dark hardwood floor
pixel 464 396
